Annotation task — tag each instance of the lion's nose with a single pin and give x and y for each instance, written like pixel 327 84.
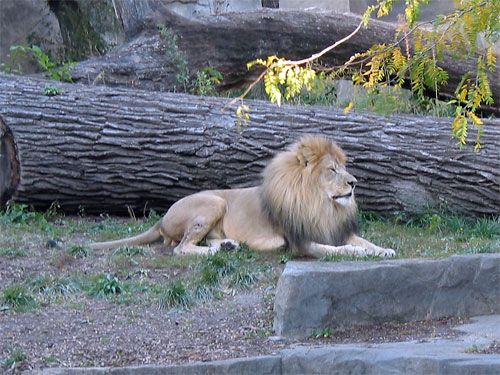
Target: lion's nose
pixel 352 181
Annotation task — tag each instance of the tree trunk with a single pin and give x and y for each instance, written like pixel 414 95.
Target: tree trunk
pixel 227 43
pixel 106 149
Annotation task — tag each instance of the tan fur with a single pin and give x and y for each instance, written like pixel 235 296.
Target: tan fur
pixel 306 201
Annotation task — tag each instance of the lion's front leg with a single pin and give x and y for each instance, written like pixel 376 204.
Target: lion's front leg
pixel 318 250
pixel 371 249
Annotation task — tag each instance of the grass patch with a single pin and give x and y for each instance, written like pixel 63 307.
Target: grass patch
pixel 79 251
pixel 432 233
pixel 131 251
pixel 53 285
pixel 349 258
pixel 222 271
pixel 18 297
pixel 12 253
pixel 177 294
pixel 16 357
pixel 104 285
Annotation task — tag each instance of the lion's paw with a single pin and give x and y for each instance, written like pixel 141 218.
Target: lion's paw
pixel 356 251
pixel 229 245
pixel 386 253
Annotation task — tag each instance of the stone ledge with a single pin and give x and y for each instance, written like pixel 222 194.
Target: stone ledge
pixel 315 295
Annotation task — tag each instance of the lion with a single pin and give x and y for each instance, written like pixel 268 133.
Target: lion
pixel 305 202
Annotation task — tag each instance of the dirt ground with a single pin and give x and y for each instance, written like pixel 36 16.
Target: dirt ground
pixel 84 331
pixel 105 334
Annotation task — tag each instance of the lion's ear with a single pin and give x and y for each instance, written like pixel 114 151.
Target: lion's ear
pixel 303 161
pixel 306 155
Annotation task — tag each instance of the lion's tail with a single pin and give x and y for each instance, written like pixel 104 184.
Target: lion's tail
pixel 149 236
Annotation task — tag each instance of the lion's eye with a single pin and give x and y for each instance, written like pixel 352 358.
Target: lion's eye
pixel 334 171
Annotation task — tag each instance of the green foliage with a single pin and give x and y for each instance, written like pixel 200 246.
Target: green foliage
pixel 51 91
pixel 78 251
pixel 16 357
pixel 350 258
pixel 104 286
pixel 131 251
pixel 442 221
pixel 53 70
pixel 321 333
pixel 284 78
pixel 224 270
pixel 12 253
pixel 397 63
pixel 176 295
pixel 243 277
pixel 50 285
pixel 243 115
pixel 206 82
pixel 18 297
pixel 178 57
pixel 16 213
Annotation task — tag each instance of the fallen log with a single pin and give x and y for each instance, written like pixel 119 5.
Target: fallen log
pixel 228 42
pixel 109 148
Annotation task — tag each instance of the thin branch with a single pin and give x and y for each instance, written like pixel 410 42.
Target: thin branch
pixel 294 63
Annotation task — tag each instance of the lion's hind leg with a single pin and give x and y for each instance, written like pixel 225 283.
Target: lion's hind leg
pixel 209 211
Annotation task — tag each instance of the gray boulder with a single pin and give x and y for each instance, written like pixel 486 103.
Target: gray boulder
pixel 317 295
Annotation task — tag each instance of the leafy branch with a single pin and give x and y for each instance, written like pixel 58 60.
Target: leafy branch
pixel 413 57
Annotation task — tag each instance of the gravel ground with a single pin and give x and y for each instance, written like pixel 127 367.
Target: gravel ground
pixel 101 333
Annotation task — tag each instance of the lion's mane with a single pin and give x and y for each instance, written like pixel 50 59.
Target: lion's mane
pixel 292 198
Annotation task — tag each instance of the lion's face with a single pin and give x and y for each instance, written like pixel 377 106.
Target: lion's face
pixel 336 182
pixel 308 193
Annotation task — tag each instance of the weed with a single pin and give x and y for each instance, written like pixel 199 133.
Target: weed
pixel 347 258
pixel 481 249
pixel 242 278
pixel 176 55
pixel 284 258
pixel 217 265
pixel 18 297
pixel 176 295
pixel 12 253
pixel 203 292
pixel 47 284
pixel 473 349
pixel 105 285
pixel 19 214
pixel 49 360
pixel 321 333
pixel 78 251
pixel 206 82
pixel 16 357
pixel 54 70
pixel 131 251
pixel 50 90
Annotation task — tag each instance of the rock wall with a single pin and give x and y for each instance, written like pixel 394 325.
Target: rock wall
pixel 318 295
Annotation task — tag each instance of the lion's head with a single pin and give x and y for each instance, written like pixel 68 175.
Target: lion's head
pixel 308 192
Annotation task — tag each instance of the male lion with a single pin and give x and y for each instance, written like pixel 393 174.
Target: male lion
pixel 306 202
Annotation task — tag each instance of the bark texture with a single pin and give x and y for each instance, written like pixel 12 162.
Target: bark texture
pixel 106 149
pixel 228 42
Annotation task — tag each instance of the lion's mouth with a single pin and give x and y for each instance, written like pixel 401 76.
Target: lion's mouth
pixel 348 195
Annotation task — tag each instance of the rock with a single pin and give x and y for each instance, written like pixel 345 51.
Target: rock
pixel 27 22
pixel 317 295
